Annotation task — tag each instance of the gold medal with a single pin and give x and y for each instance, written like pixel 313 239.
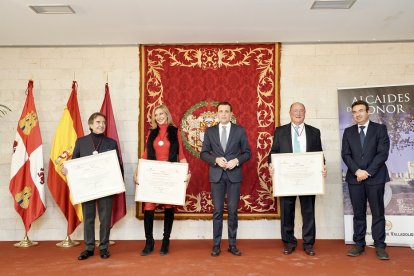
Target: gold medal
pixel 94 152
pixel 160 143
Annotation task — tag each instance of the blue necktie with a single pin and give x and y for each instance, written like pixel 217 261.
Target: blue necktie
pixel 362 135
pixel 296 144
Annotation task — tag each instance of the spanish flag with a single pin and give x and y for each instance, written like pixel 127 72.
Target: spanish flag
pixel 27 171
pixel 68 130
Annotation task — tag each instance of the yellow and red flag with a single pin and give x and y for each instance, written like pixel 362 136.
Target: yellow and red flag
pixel 119 203
pixel 27 171
pixel 68 130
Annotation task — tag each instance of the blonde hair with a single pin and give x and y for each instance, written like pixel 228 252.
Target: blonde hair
pixel 166 111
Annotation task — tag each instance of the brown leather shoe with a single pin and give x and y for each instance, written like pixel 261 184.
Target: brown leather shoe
pixel 234 250
pixel 215 252
pixel 310 251
pixel 288 249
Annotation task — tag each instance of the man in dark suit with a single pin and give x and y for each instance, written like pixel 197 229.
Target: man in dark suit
pixel 297 137
pixel 225 149
pixel 365 148
pixel 94 143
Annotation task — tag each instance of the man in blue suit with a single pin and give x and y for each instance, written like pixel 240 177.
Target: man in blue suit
pixel 365 148
pixel 225 149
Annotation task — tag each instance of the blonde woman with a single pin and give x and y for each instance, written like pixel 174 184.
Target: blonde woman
pixel 164 143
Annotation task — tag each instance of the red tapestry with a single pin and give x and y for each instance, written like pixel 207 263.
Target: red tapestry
pixel 191 80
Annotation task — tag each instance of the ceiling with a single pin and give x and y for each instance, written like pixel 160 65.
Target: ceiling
pixel 129 22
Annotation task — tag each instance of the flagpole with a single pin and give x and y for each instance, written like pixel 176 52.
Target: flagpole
pixel 26 242
pixel 67 242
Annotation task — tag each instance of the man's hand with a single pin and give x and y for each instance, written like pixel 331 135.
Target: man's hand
pixel 222 162
pixel 361 175
pixel 232 163
pixel 64 171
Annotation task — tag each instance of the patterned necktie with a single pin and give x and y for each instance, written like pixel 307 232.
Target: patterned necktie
pixel 296 144
pixel 223 139
pixel 362 135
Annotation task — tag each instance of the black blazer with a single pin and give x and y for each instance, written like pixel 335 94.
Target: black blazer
pixel 84 146
pixel 237 147
pixel 371 157
pixel 282 140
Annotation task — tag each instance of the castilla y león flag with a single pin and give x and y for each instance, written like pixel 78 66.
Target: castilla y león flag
pixel 27 172
pixel 68 130
pixel 119 203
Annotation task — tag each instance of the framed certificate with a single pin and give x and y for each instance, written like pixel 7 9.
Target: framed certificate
pixel 298 174
pixel 161 182
pixel 94 176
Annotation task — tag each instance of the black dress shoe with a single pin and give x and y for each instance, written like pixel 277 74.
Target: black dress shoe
pixel 104 253
pixel 288 249
pixel 381 253
pixel 310 251
pixel 215 252
pixel 356 250
pixel 234 250
pixel 85 254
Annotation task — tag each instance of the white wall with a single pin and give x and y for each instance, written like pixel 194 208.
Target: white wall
pixel 310 74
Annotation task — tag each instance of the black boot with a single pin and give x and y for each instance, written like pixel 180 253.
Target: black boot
pixel 168 223
pixel 148 225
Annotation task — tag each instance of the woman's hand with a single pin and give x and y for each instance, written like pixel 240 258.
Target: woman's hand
pixel 136 176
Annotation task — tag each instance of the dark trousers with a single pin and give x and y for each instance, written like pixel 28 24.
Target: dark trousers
pixel 218 192
pixel 287 227
pixel 89 214
pixel 374 194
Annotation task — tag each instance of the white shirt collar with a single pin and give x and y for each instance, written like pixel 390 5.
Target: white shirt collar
pixel 366 125
pixel 300 126
pixel 226 125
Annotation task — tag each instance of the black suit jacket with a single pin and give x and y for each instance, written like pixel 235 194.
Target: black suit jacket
pixel 282 140
pixel 371 157
pixel 237 147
